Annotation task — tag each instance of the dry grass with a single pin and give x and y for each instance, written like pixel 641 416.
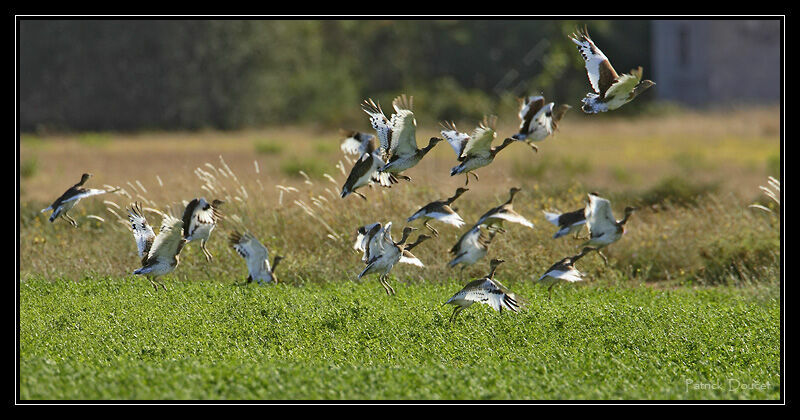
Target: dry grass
pixel 720 240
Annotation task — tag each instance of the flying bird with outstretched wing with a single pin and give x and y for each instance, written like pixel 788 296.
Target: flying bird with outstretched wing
pixel 71 197
pixel 611 90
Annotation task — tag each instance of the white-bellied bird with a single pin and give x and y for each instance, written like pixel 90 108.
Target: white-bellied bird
pixel 486 290
pixel 472 246
pixel 611 90
pixel 473 151
pixel 440 210
pixel 504 212
pixel 159 253
pixel 397 137
pixel 563 270
pixel 364 172
pixel 384 255
pixel 199 218
pixel 357 143
pixel 71 197
pixel 567 223
pixel 256 256
pixel 537 120
pixel 604 230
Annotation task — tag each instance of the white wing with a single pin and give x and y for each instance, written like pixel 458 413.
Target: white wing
pixel 380 123
pixel 511 217
pixel 169 239
pixel 489 292
pixel 449 218
pixel 404 127
pixel 552 217
pixel 87 193
pixel 596 62
pixel 254 253
pixel 571 276
pixel 378 242
pixel 600 219
pixel 362 239
pixel 408 258
pixel 142 231
pixel 351 146
pixel 457 139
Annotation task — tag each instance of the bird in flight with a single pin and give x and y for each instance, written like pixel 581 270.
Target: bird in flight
pixel 611 90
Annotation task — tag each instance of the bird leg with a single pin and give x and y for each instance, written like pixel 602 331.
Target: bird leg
pixel 435 233
pixel 155 286
pixel 160 284
pixel 404 177
pixel 473 174
pixel 205 251
pixel 360 195
pixel 456 311
pixel 534 147
pixel 391 289
pixel 384 284
pixel 604 257
pixel 550 292
pixel 70 219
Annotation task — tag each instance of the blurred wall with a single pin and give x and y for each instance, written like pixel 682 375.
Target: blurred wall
pixel 705 62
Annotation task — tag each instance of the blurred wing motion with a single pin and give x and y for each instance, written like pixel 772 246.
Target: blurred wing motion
pixel 357 143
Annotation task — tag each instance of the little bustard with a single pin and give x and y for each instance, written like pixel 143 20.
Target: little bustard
pixel 563 270
pixel 383 253
pixel 364 172
pixel 611 90
pixel 567 223
pixel 70 198
pixel 537 120
pixel 199 218
pixel 440 210
pixel 357 143
pixel 472 246
pixel 159 254
pixel 398 141
pixel 473 151
pixel 505 211
pixel 256 256
pixel 487 291
pixel 604 230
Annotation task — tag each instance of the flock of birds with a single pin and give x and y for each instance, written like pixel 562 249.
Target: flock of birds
pixel 383 164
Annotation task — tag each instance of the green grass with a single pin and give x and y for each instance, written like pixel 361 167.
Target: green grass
pixel 115 338
pixel 268 147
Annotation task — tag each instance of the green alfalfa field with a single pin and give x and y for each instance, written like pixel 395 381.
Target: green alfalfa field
pixel 688 308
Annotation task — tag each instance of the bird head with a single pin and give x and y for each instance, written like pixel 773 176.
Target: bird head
pixel 85 177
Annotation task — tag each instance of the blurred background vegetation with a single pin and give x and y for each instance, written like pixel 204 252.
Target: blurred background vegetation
pixel 126 75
